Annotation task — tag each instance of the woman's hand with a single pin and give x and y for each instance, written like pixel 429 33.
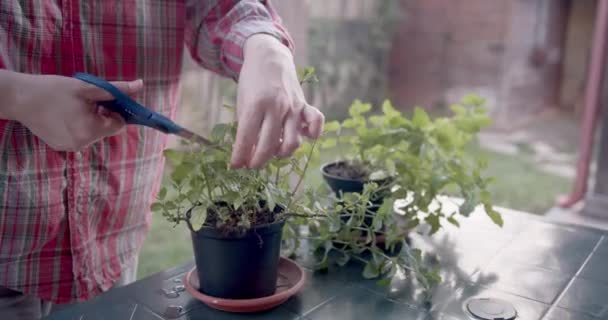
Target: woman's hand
pixel 62 111
pixel 272 112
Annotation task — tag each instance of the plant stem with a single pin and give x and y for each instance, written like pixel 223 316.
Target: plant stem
pixel 276 178
pixel 305 215
pixel 207 183
pixel 301 178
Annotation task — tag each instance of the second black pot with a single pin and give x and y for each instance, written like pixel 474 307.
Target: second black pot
pixel 345 185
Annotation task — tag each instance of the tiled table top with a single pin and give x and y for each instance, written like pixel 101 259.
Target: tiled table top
pixel 547 271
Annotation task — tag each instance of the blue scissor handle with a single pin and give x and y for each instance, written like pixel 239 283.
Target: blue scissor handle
pixel 129 109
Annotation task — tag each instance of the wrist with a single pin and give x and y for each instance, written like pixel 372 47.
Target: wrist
pixel 263 45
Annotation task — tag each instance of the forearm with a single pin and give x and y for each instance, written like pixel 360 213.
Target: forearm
pixel 216 31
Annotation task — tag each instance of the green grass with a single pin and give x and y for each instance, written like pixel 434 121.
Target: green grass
pixel 165 247
pixel 519 185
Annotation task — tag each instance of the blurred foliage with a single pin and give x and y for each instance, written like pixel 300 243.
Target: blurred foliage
pixel 351 58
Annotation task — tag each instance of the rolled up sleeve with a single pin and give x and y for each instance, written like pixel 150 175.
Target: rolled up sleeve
pixel 216 31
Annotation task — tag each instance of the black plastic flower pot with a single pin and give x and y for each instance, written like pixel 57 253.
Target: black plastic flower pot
pixel 238 267
pixel 342 185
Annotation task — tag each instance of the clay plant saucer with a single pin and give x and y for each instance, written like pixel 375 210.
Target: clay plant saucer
pixel 290 280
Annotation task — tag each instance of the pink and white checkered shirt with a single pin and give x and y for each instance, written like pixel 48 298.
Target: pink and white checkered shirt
pixel 69 222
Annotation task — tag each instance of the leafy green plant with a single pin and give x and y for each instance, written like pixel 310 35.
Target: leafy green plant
pixel 425 158
pixel 422 159
pixel 206 192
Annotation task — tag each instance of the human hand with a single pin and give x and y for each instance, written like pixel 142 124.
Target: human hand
pixel 272 112
pixel 63 112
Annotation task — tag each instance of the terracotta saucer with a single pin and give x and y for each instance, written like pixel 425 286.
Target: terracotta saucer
pixel 290 280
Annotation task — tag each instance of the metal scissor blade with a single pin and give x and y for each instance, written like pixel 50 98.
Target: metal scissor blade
pixel 189 135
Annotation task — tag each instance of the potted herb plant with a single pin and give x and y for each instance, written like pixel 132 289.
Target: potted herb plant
pixel 390 176
pixel 413 161
pixel 235 217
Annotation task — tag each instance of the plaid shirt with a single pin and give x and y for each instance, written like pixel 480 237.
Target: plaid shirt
pixel 70 222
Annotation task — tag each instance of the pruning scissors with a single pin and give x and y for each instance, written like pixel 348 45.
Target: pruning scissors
pixel 134 113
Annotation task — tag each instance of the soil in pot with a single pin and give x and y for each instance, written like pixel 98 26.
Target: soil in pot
pixel 237 264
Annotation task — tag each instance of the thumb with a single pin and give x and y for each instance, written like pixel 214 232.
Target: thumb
pixel 106 124
pixel 94 93
pixel 313 121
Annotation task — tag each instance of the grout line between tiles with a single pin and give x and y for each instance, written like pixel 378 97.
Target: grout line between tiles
pixel 569 284
pixel 317 307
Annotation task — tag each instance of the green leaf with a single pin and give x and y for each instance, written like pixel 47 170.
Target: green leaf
pixel 307 75
pixel 433 221
pixel 349 123
pixel 494 216
pixel 328 143
pixel 458 109
pixel 359 108
pixel 323 266
pixel 384 282
pixel 156 207
pixel 229 108
pixel 471 201
pixel 417 253
pixel 198 216
pixel 271 202
pixel 386 209
pixel 343 259
pixel 162 193
pixel 412 224
pixel 174 157
pixel 453 221
pixel 421 118
pixel 371 270
pixel 334 223
pixel 193 195
pixel 377 258
pixel 181 172
pixel 170 205
pixel 388 109
pixel 473 100
pixel 433 277
pixel 219 131
pixel 332 126
pixel 377 121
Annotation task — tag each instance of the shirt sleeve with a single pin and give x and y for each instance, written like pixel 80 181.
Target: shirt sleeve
pixel 216 31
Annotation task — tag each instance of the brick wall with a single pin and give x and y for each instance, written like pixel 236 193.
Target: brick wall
pixel 447 48
pixel 576 55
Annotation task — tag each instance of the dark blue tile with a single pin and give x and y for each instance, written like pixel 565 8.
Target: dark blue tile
pixel 124 310
pixel 319 288
pixel 563 314
pixel 106 306
pixel 363 305
pixel 152 293
pixel 66 314
pixel 206 313
pixel 527 281
pixel 602 249
pixel 596 267
pixel 463 254
pixel 456 306
pixel 587 296
pixel 559 248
